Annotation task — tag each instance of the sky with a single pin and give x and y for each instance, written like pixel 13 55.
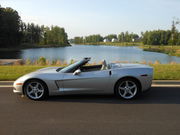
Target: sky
pixel 86 17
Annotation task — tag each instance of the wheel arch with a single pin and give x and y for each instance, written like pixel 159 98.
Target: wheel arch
pixel 128 77
pixel 35 79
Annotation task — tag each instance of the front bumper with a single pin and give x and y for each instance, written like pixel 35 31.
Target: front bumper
pixel 17 88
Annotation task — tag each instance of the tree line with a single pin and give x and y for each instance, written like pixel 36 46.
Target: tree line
pixel 43 35
pixel 122 37
pixel 155 37
pixel 162 37
pixel 14 32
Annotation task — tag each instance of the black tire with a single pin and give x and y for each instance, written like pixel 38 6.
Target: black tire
pixel 127 92
pixel 36 89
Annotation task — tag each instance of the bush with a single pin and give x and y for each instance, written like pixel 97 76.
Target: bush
pixel 41 61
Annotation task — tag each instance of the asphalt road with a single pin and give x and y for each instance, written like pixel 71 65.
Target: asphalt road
pixel 156 112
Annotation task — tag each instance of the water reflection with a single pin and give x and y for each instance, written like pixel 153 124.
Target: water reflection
pixel 10 54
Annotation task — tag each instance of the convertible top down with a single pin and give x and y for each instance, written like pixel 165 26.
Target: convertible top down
pixel 125 80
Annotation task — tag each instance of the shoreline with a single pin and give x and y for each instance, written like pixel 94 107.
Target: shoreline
pixel 173 50
pixel 170 50
pixel 113 43
pixel 28 46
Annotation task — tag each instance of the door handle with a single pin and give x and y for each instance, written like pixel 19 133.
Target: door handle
pixel 110 73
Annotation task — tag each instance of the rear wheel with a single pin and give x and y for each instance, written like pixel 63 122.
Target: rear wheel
pixel 127 88
pixel 36 90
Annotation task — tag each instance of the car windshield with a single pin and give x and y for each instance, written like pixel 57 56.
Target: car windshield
pixel 72 67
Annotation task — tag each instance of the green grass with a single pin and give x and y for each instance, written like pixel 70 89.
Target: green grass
pixel 166 71
pixel 170 50
pixel 13 72
pixel 161 71
pixel 115 43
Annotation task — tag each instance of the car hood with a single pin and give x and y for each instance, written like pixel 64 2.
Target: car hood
pixel 42 71
pixel 47 70
pixel 38 73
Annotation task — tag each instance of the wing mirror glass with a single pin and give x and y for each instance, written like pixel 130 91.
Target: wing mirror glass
pixel 77 72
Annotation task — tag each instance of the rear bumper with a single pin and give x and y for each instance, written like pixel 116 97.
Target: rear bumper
pixel 146 83
pixel 147 90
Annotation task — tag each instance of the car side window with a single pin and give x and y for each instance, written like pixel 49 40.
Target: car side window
pixel 91 68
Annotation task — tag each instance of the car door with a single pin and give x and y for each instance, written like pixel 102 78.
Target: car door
pixel 86 81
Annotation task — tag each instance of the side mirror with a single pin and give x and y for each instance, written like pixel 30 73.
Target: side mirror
pixel 77 72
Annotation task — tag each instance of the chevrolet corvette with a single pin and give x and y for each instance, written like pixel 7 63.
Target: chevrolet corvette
pixel 126 81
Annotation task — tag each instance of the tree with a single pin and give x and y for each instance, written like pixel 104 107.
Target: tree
pixel 126 37
pixel 93 39
pixel 35 34
pixel 133 37
pixel 110 37
pixel 156 37
pixel 55 36
pixel 14 32
pixel 121 37
pixel 78 40
pixel 174 33
pixel 9 28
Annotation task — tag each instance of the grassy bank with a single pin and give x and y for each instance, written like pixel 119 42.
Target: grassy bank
pixel 170 50
pixel 115 43
pixel 42 46
pixel 161 71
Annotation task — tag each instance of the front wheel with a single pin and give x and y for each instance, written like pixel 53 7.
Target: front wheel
pixel 35 90
pixel 127 88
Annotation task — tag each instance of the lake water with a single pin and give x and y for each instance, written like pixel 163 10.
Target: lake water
pixel 97 53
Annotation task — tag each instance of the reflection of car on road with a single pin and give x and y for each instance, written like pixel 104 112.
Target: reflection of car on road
pixel 125 80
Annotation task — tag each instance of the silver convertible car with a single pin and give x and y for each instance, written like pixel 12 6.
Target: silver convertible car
pixel 127 81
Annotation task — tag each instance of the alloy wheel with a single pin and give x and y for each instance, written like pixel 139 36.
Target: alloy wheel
pixel 35 90
pixel 127 89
